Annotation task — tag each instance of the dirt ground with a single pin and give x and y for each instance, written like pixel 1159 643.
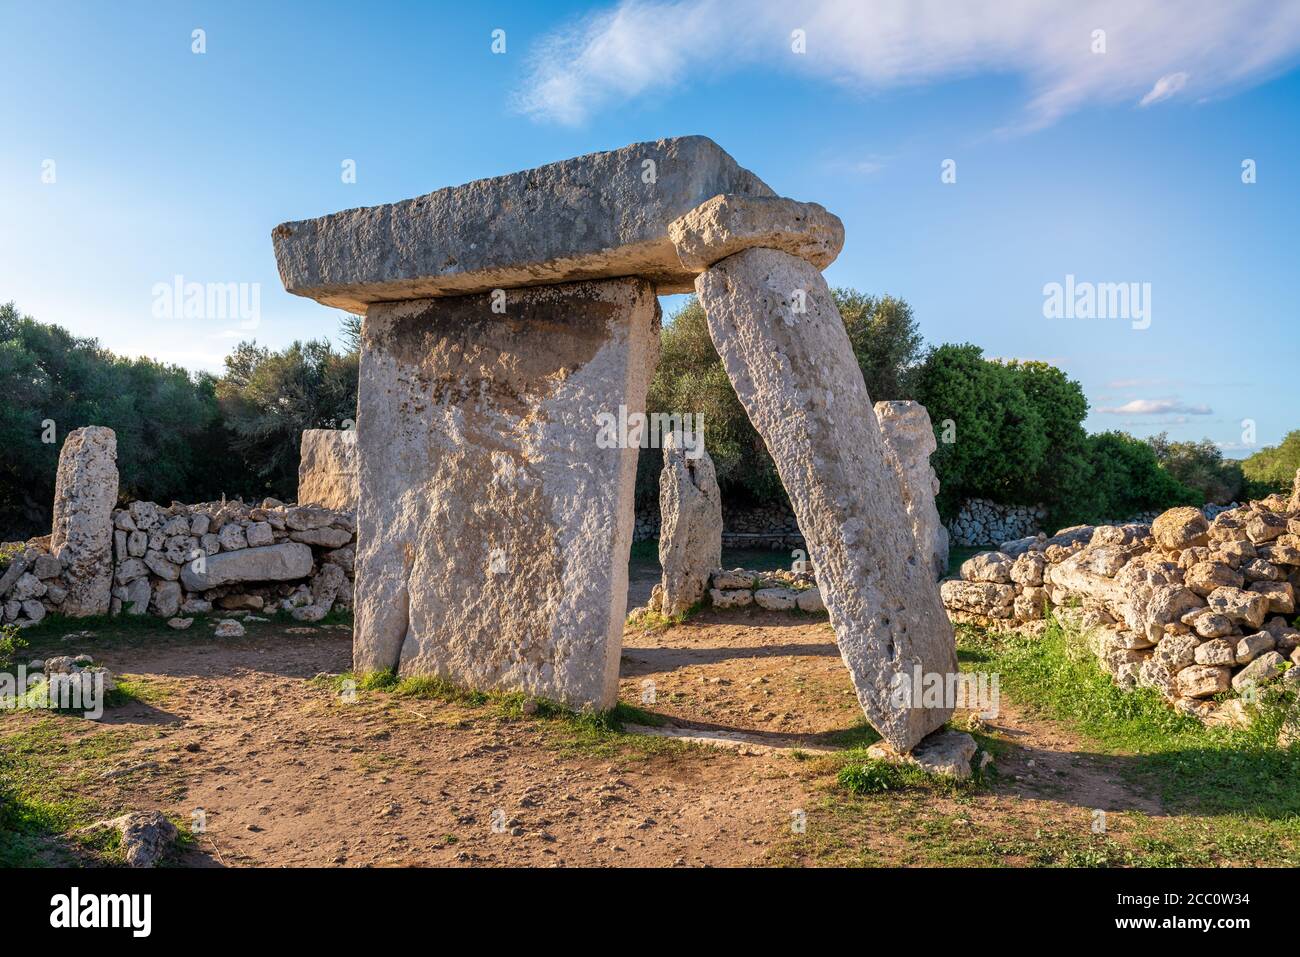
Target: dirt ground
pixel 288 774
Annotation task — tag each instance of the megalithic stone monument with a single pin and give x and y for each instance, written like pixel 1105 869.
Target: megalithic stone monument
pixel 504 320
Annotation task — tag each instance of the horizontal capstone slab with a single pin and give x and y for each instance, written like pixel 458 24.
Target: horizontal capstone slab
pixel 599 216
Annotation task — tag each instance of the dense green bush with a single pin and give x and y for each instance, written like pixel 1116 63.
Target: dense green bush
pixel 1013 432
pixel 993 436
pixel 1124 479
pixel 1008 431
pixel 168 436
pixel 1272 469
pixel 1200 466
pixel 267 399
pixel 690 378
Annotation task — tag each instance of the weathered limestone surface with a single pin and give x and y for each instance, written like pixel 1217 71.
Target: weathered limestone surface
pixel 268 563
pixel 725 225
pixel 598 216
pixel 85 491
pixel 796 375
pixel 909 443
pixel 327 469
pixel 690 530
pixel 494 531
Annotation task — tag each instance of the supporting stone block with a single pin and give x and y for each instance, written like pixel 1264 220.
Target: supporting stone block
pixel 783 344
pixel 85 491
pixel 494 525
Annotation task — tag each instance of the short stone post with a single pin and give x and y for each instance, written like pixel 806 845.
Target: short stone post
pixel 690 524
pixel 909 443
pixel 327 469
pixel 85 491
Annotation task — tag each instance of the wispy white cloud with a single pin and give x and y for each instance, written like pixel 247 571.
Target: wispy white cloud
pixel 1158 407
pixel 1153 51
pixel 1167 86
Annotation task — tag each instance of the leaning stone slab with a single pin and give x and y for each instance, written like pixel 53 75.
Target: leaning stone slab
pixel 725 225
pixel 909 443
pixel 690 528
pixel 85 491
pixel 598 216
pixel 496 513
pixel 269 563
pixel 327 469
pixel 783 344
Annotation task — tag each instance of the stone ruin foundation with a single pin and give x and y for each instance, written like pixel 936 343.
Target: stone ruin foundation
pixel 1192 608
pixel 501 317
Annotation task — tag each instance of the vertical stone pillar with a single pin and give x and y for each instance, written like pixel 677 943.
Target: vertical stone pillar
pixel 495 518
pixel 327 469
pixel 690 524
pixel 85 491
pixel 783 344
pixel 909 443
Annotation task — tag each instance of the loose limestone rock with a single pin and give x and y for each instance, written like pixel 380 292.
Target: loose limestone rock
pixel 147 836
pixel 731 598
pixel 1180 528
pixel 496 509
pixel 909 443
pixel 946 753
pixel 987 567
pixel 270 563
pixel 690 529
pixel 810 600
pixel 783 345
pixel 1202 681
pixel 776 599
pixel 85 491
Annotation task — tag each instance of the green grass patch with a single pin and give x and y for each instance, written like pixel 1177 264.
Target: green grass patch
pixel 1193 768
pixel 877 777
pixel 958 554
pixel 43 773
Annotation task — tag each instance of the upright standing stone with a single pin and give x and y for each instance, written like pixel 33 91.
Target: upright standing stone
pixel 909 443
pixel 85 491
pixel 495 523
pixel 327 469
pixel 783 344
pixel 690 525
pixel 1294 504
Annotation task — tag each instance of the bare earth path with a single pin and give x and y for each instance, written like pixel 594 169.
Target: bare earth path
pixel 289 774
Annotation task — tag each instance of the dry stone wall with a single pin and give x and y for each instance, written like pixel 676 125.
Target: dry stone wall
pixel 1189 606
pixel 172 561
pixel 230 556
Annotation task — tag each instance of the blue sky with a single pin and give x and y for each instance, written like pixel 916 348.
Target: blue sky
pixel 169 162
